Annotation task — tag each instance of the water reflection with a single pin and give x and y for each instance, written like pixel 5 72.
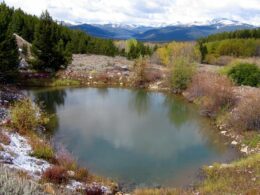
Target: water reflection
pixel 134 135
pixel 140 101
pixel 178 112
pixel 51 100
pixel 102 91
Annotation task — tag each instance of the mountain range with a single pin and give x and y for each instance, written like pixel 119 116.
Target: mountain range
pixel 162 33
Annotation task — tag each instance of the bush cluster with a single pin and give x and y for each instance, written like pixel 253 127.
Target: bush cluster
pixel 25 115
pixel 56 174
pixel 245 74
pixel 182 73
pixel 214 92
pixel 246 116
pixel 42 149
pixel 64 163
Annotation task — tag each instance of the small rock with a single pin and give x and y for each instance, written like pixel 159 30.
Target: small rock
pixel 71 173
pixel 224 165
pixel 234 142
pixel 223 132
pixel 6 158
pixel 48 187
pixel 244 149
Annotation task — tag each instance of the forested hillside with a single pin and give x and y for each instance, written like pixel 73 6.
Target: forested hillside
pixel 240 43
pixel 52 43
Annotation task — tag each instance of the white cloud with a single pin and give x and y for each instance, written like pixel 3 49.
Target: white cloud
pixel 150 12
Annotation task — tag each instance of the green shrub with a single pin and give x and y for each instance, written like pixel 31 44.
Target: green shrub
pixel 24 115
pixel 245 74
pixel 182 73
pixel 41 148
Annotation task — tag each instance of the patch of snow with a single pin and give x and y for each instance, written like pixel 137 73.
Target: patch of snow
pixel 104 189
pixel 74 185
pixel 223 132
pixel 19 151
pixel 244 149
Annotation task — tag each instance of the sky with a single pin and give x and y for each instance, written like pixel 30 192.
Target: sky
pixel 143 12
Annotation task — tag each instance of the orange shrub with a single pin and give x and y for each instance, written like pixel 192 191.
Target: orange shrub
pixel 213 90
pixel 81 174
pixel 246 116
pixel 55 174
pixel 152 75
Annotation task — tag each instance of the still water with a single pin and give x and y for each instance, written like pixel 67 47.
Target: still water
pixel 136 137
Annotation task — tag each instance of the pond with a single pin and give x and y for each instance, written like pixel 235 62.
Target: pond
pixel 136 137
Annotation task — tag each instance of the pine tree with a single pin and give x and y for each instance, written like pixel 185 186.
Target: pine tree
pixel 47 48
pixel 9 57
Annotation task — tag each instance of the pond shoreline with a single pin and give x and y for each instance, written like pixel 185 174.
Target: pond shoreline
pixel 235 139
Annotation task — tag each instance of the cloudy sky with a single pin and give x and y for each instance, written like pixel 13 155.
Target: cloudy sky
pixel 146 12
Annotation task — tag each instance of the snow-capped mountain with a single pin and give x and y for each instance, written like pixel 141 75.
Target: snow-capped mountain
pixel 163 32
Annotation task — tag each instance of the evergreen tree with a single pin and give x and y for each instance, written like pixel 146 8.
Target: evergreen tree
pixel 9 57
pixel 48 48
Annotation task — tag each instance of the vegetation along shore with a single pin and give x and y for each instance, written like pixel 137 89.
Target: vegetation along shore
pixel 219 73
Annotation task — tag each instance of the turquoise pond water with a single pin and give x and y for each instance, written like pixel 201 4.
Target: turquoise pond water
pixel 136 137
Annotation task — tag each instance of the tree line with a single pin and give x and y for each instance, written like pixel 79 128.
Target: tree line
pixel 239 43
pixel 52 44
pixel 237 34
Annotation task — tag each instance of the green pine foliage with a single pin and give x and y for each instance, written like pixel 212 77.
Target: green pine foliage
pixel 9 57
pixel 136 49
pixel 53 44
pixel 48 48
pixel 238 34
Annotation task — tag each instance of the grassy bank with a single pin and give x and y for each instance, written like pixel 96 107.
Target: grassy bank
pixel 239 177
pixel 49 82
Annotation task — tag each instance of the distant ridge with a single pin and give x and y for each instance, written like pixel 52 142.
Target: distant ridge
pixel 162 33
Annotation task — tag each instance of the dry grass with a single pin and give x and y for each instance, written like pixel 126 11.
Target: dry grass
pixel 213 91
pixel 163 191
pixel 81 174
pixel 13 183
pixel 41 148
pixel 4 139
pixel 246 115
pixel 152 75
pixel 66 160
pixel 55 174
pixel 241 177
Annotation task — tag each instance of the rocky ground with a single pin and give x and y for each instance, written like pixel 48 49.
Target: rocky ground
pixel 96 70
